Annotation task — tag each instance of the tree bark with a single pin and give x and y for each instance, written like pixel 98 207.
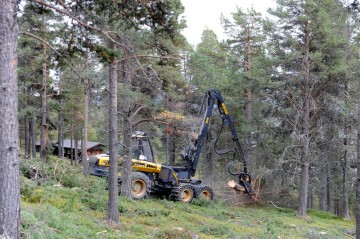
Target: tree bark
pixel 27 126
pixel 113 209
pixel 84 161
pixel 358 169
pixel 248 94
pixel 32 135
pixel 44 126
pixel 329 198
pixel 60 122
pixel 209 156
pixel 126 169
pixel 76 139
pixel 9 136
pixel 323 159
pixel 305 127
pixel 345 166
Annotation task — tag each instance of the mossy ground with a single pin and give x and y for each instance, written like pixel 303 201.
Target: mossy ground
pixel 79 211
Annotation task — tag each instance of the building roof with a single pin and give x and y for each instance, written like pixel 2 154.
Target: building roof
pixel 90 145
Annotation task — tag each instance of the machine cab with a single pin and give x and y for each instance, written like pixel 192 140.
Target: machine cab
pixel 142 149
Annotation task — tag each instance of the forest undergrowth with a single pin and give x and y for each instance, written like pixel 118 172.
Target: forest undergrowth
pixel 57 201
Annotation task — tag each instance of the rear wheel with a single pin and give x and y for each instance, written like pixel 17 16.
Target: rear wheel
pixel 140 185
pixel 182 193
pixel 204 191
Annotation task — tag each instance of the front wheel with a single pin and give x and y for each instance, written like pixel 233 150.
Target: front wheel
pixel 204 191
pixel 140 185
pixel 182 193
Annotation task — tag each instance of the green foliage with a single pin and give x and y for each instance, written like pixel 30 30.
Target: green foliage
pixel 174 234
pixel 80 212
pixel 73 180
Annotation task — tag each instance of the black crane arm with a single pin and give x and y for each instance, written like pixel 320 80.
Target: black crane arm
pixel 215 99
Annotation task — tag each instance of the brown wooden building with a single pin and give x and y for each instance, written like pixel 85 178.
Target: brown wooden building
pixel 93 148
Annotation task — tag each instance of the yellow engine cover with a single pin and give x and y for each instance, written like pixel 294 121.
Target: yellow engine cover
pixel 145 166
pixel 138 165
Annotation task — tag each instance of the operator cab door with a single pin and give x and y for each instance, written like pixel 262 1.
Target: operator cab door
pixel 142 149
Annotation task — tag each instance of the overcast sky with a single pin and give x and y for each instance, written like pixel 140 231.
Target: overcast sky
pixel 201 14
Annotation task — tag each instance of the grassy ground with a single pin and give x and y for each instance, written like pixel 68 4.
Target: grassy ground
pixel 78 210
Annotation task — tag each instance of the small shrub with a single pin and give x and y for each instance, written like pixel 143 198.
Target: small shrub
pixel 35 195
pixel 219 230
pixel 177 233
pixel 73 180
pixel 322 214
pixel 28 220
pixel 202 202
pixel 95 202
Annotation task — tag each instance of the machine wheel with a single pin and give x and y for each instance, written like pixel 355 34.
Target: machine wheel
pixel 205 192
pixel 182 193
pixel 140 185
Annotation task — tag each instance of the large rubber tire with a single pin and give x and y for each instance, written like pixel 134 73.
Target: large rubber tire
pixel 182 193
pixel 140 185
pixel 204 191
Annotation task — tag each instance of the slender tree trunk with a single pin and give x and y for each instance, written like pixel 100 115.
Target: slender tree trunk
pixel 9 136
pixel 44 126
pixel 248 94
pixel 60 121
pixel 358 169
pixel 76 142
pixel 305 127
pixel 32 135
pixel 84 161
pixel 172 149
pixel 329 198
pixel 72 145
pixel 322 179
pixel 311 193
pixel 209 156
pixel 345 167
pixel 126 169
pixel 27 136
pixel 167 145
pixel 113 208
pixel 27 126
pixel 61 136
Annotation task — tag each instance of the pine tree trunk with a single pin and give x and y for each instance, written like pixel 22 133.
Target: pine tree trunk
pixel 72 145
pixel 9 136
pixel 27 127
pixel 345 196
pixel 209 156
pixel 172 149
pixel 44 128
pixel 126 169
pixel 113 208
pixel 61 136
pixel 76 142
pixel 305 127
pixel 310 190
pixel 84 161
pixel 27 136
pixel 329 198
pixel 33 136
pixel 322 178
pixel 248 94
pixel 60 122
pixel 358 169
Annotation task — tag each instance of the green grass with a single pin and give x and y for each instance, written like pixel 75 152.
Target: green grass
pixel 80 212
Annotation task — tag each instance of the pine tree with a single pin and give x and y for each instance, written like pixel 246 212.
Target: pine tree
pixel 310 48
pixel 9 137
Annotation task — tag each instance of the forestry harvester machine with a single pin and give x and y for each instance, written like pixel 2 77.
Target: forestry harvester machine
pixel 177 181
